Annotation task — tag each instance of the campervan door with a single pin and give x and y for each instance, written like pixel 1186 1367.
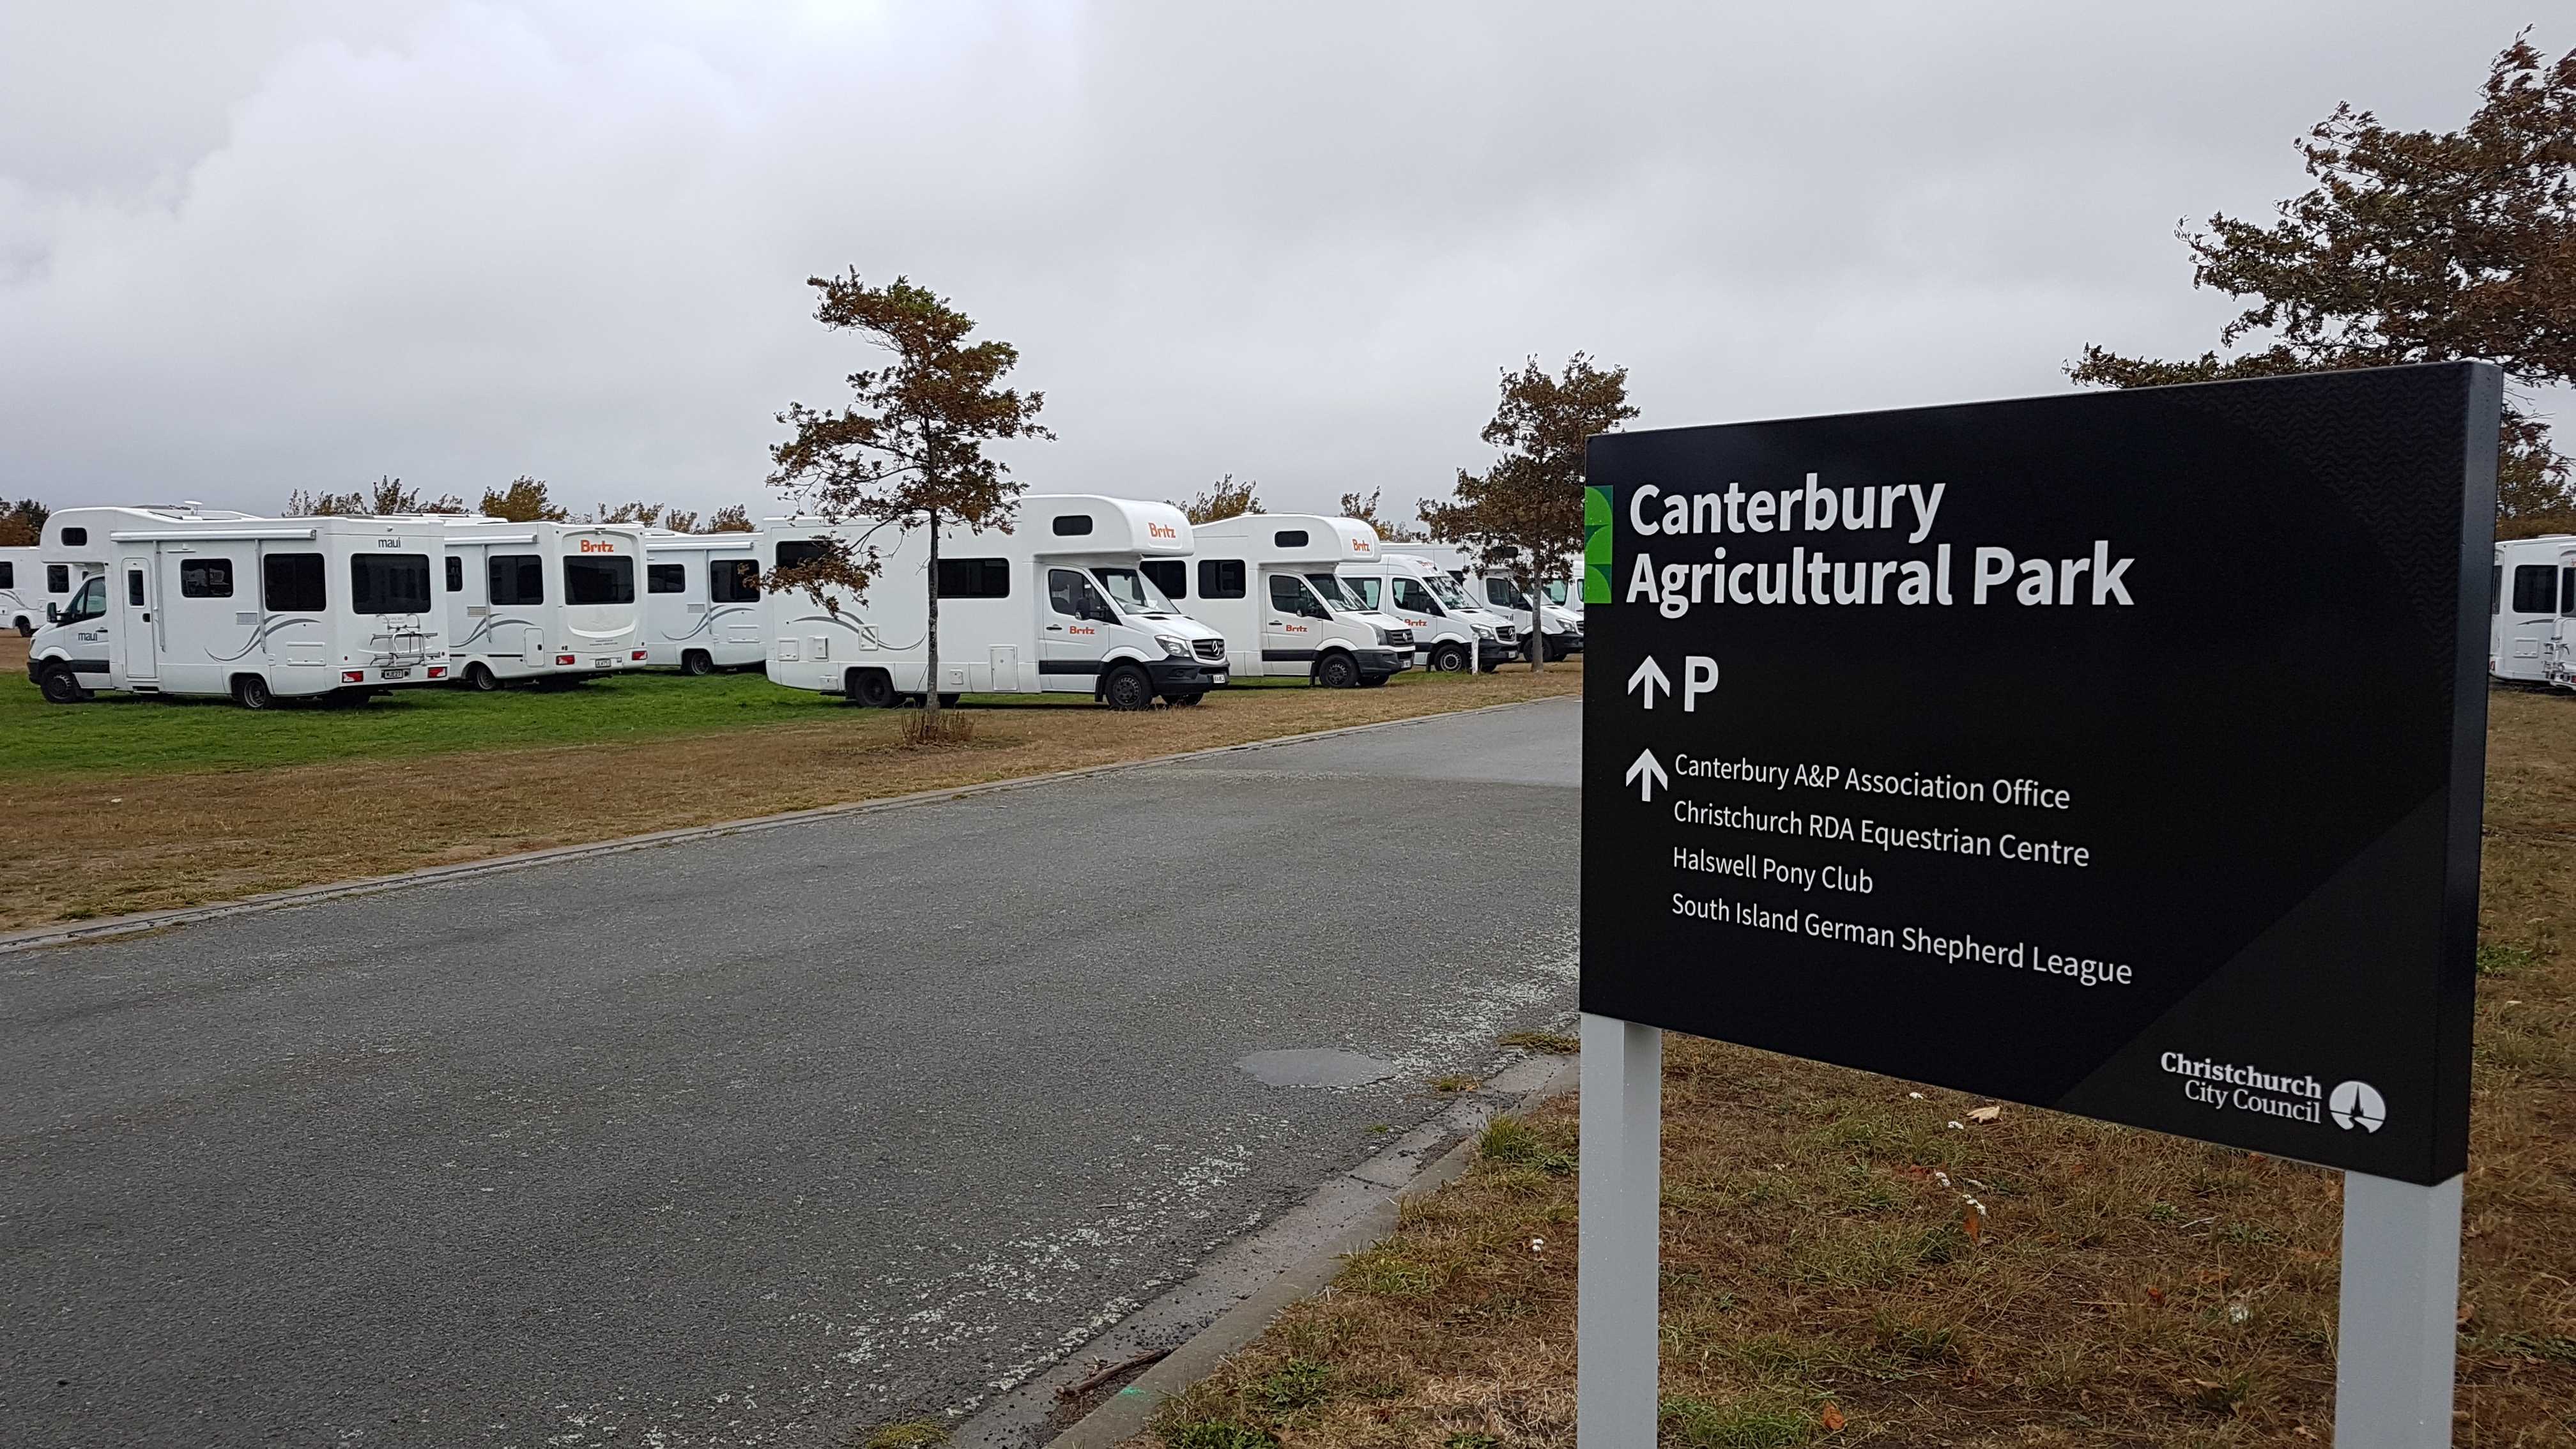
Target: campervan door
pixel 2525 607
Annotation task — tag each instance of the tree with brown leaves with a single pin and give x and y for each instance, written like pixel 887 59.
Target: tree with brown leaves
pixel 2415 246
pixel 524 501
pixel 22 524
pixel 912 443
pixel 1523 516
pixel 1224 498
pixel 732 518
pixel 387 495
pixel 1365 510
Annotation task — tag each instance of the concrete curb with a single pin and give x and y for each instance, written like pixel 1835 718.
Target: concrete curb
pixel 115 926
pixel 1124 1415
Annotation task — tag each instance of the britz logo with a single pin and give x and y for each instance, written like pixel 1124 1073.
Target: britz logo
pixel 597 545
pixel 1161 530
pixel 1362 545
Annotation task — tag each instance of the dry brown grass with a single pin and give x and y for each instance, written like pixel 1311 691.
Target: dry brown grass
pixel 109 844
pixel 1822 1264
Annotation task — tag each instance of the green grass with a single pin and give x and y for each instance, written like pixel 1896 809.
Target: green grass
pixel 150 734
pixel 130 733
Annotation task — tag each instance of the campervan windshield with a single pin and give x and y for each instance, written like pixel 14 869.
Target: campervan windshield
pixel 1135 593
pixel 1446 590
pixel 1330 587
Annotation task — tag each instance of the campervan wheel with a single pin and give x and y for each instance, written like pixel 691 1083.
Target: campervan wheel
pixel 1337 671
pixel 251 692
pixel 1127 688
pixel 1449 658
pixel 59 686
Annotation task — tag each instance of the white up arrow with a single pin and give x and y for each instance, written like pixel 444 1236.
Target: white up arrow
pixel 1646 774
pixel 1649 677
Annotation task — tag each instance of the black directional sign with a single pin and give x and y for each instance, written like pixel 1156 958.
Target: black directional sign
pixel 2118 752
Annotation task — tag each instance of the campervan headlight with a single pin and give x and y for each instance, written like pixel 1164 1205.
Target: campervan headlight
pixel 1174 645
pixel 1384 638
pixel 1485 632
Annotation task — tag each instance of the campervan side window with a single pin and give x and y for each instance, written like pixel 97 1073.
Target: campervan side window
pixel 796 551
pixel 8 574
pixel 1071 594
pixel 1288 596
pixel 2495 591
pixel 134 586
pixel 1170 575
pixel 733 581
pixel 1220 578
pixel 1366 590
pixel 518 578
pixel 455 574
pixel 594 580
pixel 290 582
pixel 91 602
pixel 975 578
pixel 1072 525
pixel 75 537
pixel 388 583
pixel 58 578
pixel 1289 538
pixel 203 578
pixel 666 578
pixel 1410 594
pixel 2535 587
pixel 2567 591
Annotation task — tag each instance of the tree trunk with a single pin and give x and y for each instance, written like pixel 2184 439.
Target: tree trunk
pixel 930 681
pixel 1538 621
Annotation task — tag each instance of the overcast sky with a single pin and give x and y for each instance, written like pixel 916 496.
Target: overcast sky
pixel 248 248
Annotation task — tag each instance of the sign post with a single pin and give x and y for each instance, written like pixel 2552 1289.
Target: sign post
pixel 2117 753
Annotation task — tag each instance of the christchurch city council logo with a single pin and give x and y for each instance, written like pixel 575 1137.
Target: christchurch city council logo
pixel 2357 1104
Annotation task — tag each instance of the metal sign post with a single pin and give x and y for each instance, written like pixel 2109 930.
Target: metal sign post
pixel 1618 1263
pixel 2399 1321
pixel 2007 747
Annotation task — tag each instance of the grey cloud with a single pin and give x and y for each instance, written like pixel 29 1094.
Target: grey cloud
pixel 457 242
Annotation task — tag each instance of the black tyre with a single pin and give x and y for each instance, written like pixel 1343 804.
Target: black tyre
pixel 26 626
pixel 1374 681
pixel 949 701
pixel 1127 688
pixel 481 679
pixel 1449 658
pixel 1337 671
pixel 60 687
pixel 869 689
pixel 1183 701
pixel 251 692
pixel 696 661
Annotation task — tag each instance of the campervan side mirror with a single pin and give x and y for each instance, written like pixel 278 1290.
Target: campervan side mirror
pixel 1098 612
pixel 53 613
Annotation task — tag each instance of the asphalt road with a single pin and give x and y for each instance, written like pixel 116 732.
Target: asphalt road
pixel 757 1140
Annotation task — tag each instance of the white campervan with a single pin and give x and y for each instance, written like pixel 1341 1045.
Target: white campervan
pixel 206 601
pixel 22 595
pixel 702 601
pixel 1061 604
pixel 1562 630
pixel 2531 590
pixel 1449 633
pixel 553 602
pixel 1272 582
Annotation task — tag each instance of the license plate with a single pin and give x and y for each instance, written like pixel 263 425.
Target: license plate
pixel 601 663
pixel 1217 678
pixel 396 673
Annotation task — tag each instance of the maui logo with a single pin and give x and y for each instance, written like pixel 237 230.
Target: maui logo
pixel 1161 530
pixel 596 545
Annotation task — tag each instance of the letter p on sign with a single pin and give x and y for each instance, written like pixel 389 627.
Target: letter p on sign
pixel 1699 676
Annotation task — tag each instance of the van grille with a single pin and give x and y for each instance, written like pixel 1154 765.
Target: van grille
pixel 1211 650
pixel 1399 638
pixel 1507 633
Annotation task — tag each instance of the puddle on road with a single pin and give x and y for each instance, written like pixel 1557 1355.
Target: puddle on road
pixel 1315 1067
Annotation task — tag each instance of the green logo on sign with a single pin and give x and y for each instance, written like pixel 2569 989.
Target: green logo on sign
pixel 1596 545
